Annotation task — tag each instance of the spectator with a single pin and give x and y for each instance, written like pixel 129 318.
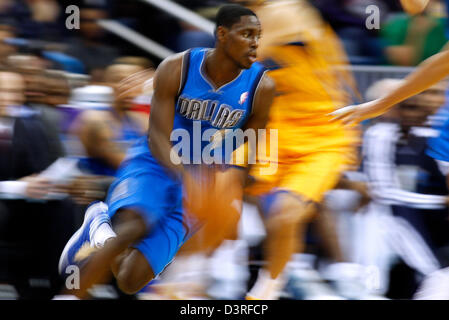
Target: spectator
pixel 191 37
pixel 38 19
pixel 410 40
pixel 106 134
pixel 348 19
pixel 89 48
pixel 139 61
pixel 37 97
pixel 399 173
pixel 6 32
pixel 29 265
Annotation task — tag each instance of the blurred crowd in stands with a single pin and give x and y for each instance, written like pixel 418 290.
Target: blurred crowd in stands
pixel 400 39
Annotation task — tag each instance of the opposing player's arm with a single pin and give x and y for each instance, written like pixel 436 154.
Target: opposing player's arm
pixel 414 6
pixel 430 72
pixel 166 86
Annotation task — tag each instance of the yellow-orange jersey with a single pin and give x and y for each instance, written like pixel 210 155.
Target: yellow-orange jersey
pixel 307 65
pixel 311 82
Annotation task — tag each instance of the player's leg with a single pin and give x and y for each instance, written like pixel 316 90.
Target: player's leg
pixel 220 222
pixel 326 224
pixel 290 212
pixel 258 194
pixel 97 268
pixel 311 178
pixel 133 254
pixel 132 271
pixel 135 207
pixel 286 222
pixel 130 268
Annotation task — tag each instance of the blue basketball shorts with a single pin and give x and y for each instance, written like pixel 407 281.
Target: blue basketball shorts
pixel 146 187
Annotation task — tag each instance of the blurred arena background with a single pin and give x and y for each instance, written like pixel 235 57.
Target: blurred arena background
pixel 74 97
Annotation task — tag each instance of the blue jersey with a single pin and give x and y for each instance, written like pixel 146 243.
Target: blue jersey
pixel 438 147
pixel 202 109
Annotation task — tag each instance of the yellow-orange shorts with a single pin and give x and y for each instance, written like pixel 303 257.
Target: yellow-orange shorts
pixel 310 175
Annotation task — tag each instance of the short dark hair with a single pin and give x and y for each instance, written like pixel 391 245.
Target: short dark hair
pixel 230 14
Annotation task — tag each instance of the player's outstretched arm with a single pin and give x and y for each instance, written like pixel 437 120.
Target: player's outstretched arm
pixel 166 86
pixel 431 71
pixel 414 6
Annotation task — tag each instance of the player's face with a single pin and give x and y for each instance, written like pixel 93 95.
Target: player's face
pixel 242 40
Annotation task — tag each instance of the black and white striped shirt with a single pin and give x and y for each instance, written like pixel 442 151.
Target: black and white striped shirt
pixel 380 165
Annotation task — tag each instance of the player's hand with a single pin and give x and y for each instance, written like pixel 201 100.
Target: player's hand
pixel 85 189
pixel 194 193
pixel 357 113
pixel 214 198
pixel 37 187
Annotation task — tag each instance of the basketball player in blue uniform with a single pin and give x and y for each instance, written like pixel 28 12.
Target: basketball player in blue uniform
pixel 143 224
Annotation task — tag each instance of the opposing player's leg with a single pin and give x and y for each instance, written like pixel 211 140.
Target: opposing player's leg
pixel 286 217
pixel 286 224
pixel 288 208
pixel 327 229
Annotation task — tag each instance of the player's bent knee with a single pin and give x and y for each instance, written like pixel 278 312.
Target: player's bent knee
pixel 134 273
pixel 129 284
pixel 292 212
pixel 129 226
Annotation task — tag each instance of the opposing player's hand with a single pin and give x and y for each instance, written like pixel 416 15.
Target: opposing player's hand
pixel 357 113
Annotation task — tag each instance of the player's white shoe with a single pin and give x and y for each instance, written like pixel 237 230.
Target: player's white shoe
pixel 79 246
